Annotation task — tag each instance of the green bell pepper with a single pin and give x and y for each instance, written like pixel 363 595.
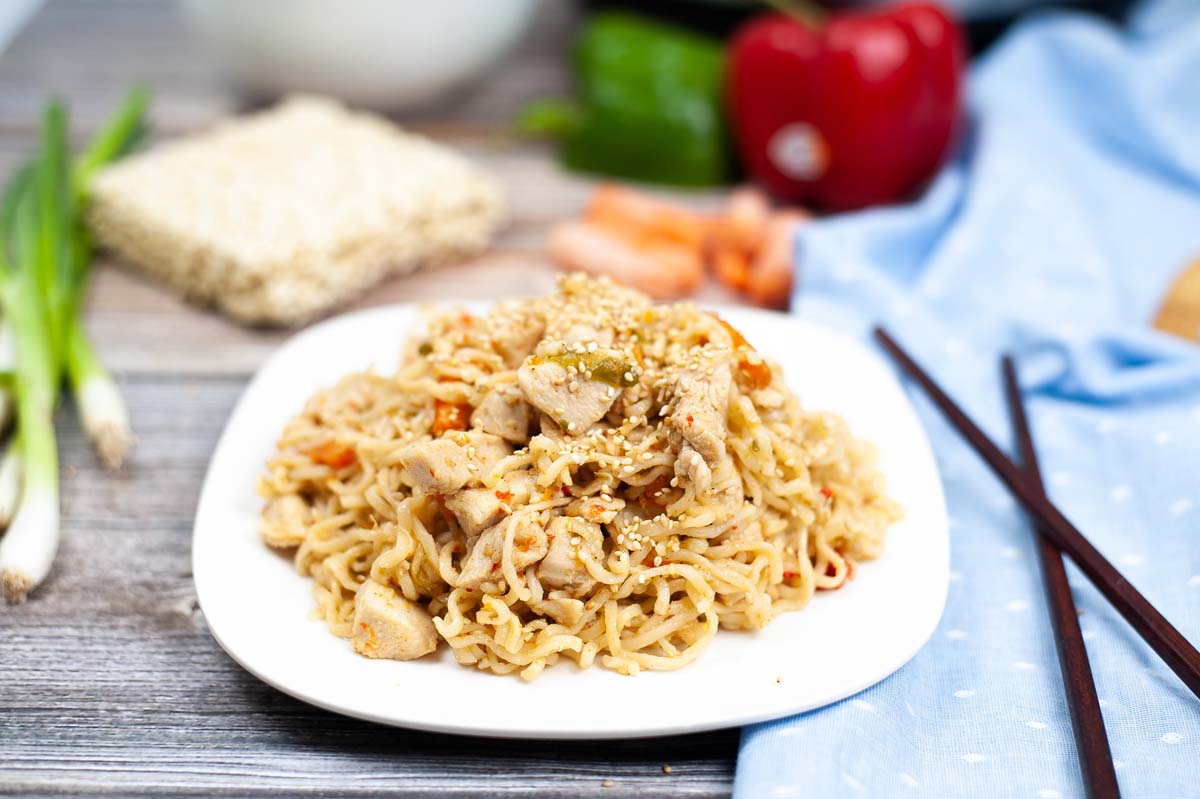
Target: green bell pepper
pixel 649 104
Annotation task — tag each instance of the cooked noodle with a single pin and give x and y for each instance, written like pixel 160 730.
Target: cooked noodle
pixel 584 475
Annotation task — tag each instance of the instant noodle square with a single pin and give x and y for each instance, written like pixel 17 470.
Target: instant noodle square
pixel 279 216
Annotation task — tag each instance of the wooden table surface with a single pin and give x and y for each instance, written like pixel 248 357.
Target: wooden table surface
pixel 109 680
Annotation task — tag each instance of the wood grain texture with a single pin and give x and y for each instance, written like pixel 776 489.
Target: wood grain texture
pixel 110 684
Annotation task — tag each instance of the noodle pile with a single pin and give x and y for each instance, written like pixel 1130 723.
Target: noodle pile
pixel 583 475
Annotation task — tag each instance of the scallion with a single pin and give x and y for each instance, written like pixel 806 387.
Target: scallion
pixel 10 483
pixel 45 253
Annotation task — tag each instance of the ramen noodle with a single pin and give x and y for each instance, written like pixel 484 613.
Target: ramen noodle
pixel 585 475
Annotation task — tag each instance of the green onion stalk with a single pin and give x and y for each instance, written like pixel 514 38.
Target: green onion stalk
pixel 44 262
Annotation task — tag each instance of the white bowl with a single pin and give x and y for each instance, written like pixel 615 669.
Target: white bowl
pixel 386 54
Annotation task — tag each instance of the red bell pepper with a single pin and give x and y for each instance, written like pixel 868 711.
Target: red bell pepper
pixel 857 110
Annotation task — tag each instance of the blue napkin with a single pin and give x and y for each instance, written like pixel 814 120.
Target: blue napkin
pixel 1073 203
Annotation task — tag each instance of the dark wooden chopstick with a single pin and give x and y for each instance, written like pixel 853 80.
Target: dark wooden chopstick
pixel 1151 625
pixel 1091 739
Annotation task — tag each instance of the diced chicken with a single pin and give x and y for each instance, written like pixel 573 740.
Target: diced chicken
pixel 483 449
pixel 690 467
pixel 503 412
pixel 561 567
pixel 701 401
pixel 563 610
pixel 444 465
pixel 595 509
pixel 479 508
pixel 552 433
pixel 284 520
pixel 476 509
pixel 573 401
pixel 386 625
pixel 435 467
pixel 515 336
pixel 520 485
pixel 483 561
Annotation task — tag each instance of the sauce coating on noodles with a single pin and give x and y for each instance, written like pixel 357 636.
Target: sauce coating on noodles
pixel 584 476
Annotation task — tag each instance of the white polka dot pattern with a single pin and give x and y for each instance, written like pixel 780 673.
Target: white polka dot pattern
pixel 1052 239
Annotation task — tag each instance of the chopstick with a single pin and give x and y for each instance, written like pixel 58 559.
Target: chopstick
pixel 1091 739
pixel 1151 625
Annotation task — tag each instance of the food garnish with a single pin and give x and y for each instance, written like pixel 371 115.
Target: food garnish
pixel 45 257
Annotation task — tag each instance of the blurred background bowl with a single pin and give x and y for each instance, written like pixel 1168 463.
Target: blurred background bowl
pixel 385 54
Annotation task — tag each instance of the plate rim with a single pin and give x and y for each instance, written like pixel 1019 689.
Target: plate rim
pixel 648 728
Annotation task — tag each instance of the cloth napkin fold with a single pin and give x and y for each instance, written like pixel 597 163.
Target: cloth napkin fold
pixel 1074 201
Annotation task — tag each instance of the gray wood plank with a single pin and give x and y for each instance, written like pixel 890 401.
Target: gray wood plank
pixel 111 685
pixel 141 328
pixel 109 682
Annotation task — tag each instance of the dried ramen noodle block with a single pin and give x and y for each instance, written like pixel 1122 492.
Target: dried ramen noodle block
pixel 278 217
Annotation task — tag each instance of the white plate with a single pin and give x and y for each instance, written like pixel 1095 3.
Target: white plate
pixel 257 606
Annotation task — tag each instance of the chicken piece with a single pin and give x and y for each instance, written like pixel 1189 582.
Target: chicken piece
pixel 435 467
pixel 690 467
pixel 562 609
pixel 479 508
pixel 514 336
pixel 284 520
pixel 503 412
pixel 476 509
pixel 386 625
pixel 701 400
pixel 551 431
pixel 561 567
pixel 595 509
pixel 575 402
pixel 483 561
pixel 484 450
